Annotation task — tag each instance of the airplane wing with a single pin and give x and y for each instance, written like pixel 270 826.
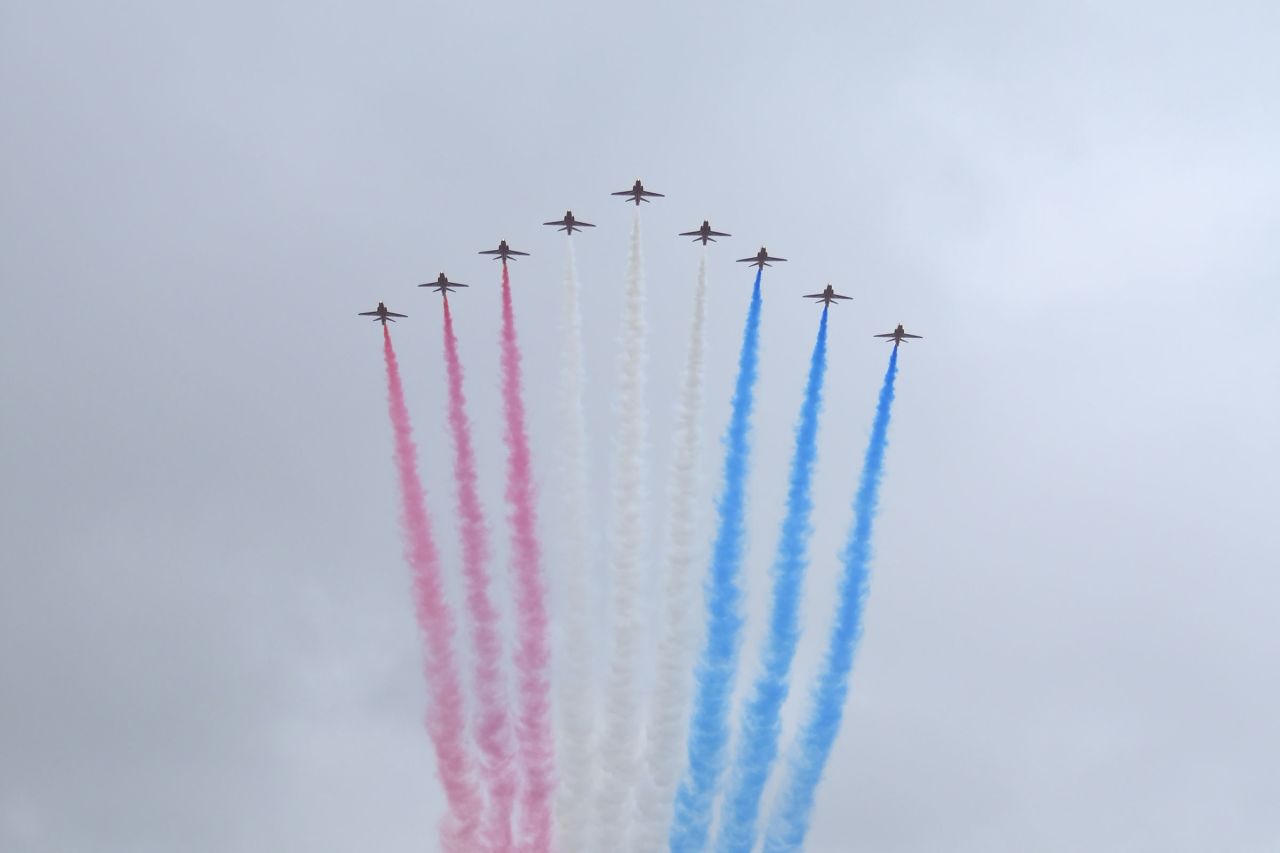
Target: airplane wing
pixel 655 195
pixel 581 224
pixel 394 314
pixel 751 260
pixel 887 335
pixel 559 222
pixel 514 252
pixel 838 296
pixel 624 192
pixel 368 314
pixel 691 234
pixel 912 336
pixel 768 258
pixel 817 296
pixel 490 252
pixel 718 234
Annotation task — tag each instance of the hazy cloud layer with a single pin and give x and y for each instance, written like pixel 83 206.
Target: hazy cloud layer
pixel 206 642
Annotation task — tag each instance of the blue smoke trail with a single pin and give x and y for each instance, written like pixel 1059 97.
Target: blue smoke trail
pixel 708 725
pixel 758 737
pixel 790 819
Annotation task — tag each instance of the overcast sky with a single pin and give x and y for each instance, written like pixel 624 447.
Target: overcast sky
pixel 206 642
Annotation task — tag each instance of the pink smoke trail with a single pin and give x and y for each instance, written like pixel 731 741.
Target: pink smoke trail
pixel 535 745
pixel 459 830
pixel 493 727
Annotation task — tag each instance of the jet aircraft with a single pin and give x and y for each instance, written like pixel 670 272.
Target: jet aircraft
pixel 503 251
pixel 899 335
pixel 704 233
pixel 638 194
pixel 827 297
pixel 381 314
pixel 761 259
pixel 569 224
pixel 443 285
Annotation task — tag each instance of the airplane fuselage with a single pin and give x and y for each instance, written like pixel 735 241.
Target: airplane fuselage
pixel 899 335
pixel 381 314
pixel 828 296
pixel 761 259
pixel 503 251
pixel 637 193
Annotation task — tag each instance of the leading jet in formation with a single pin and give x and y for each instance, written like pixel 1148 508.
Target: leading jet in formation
pixel 569 224
pixel 827 297
pixel 638 194
pixel 899 335
pixel 704 234
pixel 443 285
pixel 761 259
pixel 381 314
pixel 503 251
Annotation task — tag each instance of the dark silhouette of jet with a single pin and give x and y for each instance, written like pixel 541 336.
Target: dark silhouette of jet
pixel 381 314
pixel 638 193
pixel 503 251
pixel 569 224
pixel 443 285
pixel 761 259
pixel 704 233
pixel 827 297
pixel 899 335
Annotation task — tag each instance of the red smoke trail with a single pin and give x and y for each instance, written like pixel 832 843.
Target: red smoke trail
pixel 444 694
pixel 493 730
pixel 533 726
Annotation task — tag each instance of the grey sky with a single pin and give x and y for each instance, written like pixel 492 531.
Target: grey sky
pixel 205 638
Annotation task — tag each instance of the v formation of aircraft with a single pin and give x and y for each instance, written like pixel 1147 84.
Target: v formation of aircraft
pixel 637 194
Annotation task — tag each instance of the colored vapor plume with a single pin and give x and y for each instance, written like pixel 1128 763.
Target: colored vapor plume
pixel 629 742
pixel 445 723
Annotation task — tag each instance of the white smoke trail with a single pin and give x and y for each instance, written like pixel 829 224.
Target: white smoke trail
pixel 618 747
pixel 576 717
pixel 669 711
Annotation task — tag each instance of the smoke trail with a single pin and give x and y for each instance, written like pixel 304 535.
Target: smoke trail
pixel 789 821
pixel 493 728
pixel 535 745
pixel 757 744
pixel 708 725
pixel 575 740
pixel 619 744
pixel 459 831
pixel 669 703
